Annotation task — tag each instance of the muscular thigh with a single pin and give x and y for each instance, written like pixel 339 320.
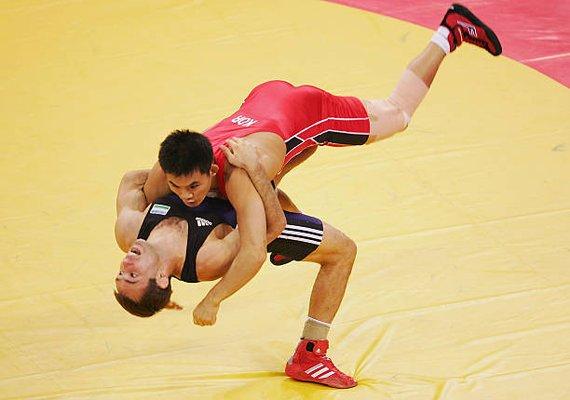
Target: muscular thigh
pixel 334 241
pixel 272 151
pixel 296 161
pixel 307 238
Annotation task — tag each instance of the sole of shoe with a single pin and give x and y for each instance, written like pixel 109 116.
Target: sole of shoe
pixel 322 383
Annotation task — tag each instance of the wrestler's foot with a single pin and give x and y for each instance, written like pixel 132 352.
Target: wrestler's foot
pixel 311 364
pixel 460 24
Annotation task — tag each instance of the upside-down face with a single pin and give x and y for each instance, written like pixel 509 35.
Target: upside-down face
pixel 138 266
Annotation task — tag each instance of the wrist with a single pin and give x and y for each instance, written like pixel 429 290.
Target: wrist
pixel 213 299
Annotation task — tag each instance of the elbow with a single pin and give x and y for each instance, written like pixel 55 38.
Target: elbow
pixel 128 177
pixel 138 176
pixel 133 179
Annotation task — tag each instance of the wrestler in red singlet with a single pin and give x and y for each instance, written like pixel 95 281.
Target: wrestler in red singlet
pixel 303 116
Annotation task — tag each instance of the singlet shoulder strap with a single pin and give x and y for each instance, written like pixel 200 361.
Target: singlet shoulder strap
pixel 201 222
pixel 161 209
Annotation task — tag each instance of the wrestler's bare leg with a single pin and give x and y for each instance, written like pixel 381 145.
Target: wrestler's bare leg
pixel 295 161
pixel 336 255
pixel 286 202
pixel 458 25
pixel 427 63
pixel 271 150
pixel 393 114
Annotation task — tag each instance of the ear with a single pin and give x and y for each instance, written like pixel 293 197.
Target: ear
pixel 162 279
pixel 214 169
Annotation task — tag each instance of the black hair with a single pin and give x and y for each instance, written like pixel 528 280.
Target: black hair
pixel 184 152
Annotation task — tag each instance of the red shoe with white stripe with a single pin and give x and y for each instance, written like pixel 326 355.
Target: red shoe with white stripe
pixel 311 364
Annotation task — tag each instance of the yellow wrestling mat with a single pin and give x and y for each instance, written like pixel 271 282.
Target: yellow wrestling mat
pixel 461 289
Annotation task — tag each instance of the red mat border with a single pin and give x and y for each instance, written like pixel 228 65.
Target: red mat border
pixel 535 33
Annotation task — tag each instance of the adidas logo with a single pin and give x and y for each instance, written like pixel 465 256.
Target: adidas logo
pixel 470 28
pixel 203 222
pixel 322 372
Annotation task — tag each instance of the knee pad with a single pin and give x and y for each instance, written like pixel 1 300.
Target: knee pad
pixel 386 118
pixel 394 114
pixel 409 93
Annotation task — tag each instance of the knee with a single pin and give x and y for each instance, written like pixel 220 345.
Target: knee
pixel 351 250
pixel 386 119
pixel 346 255
pixel 337 252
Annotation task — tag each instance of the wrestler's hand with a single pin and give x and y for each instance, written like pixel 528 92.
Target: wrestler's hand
pixel 205 312
pixel 241 154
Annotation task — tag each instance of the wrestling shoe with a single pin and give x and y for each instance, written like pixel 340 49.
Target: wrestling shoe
pixel 311 364
pixel 461 25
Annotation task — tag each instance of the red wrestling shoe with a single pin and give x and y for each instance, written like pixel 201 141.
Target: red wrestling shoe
pixel 311 364
pixel 462 25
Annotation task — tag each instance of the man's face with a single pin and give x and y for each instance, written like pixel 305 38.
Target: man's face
pixel 138 266
pixel 192 188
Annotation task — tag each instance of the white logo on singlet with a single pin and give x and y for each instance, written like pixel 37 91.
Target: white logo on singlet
pixel 159 209
pixel 203 222
pixel 244 121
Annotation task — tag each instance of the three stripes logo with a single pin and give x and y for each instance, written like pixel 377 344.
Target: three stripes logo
pixel 203 222
pixel 319 371
pixel 302 234
pixel 470 28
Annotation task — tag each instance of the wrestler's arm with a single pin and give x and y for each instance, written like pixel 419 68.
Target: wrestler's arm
pixel 252 250
pixel 273 213
pixel 156 184
pixel 242 154
pixel 276 220
pixel 131 204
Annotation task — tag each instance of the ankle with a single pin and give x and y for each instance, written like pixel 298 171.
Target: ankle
pixel 442 39
pixel 315 329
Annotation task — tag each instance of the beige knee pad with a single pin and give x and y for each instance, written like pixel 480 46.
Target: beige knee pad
pixel 394 114
pixel 385 119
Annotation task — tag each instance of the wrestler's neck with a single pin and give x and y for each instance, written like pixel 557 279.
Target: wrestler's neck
pixel 168 240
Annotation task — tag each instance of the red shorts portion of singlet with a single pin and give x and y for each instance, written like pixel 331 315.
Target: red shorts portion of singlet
pixel 304 116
